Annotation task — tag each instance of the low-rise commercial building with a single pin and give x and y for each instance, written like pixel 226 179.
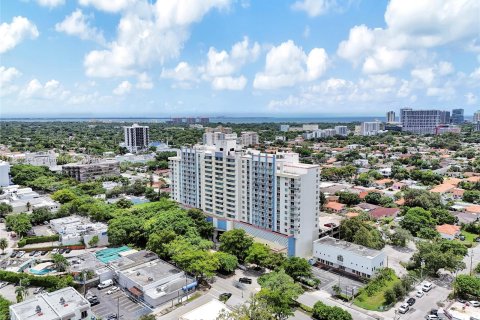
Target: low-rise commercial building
pixel 90 171
pixel 348 257
pixel 62 304
pixel 75 229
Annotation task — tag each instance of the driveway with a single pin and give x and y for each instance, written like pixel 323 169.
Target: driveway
pixel 330 278
pixel 117 301
pixel 395 255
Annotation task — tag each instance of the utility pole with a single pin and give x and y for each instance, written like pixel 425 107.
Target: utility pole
pixel 471 261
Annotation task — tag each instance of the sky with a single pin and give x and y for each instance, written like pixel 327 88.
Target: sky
pixel 148 58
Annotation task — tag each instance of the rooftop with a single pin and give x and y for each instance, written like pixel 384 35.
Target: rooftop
pixel 448 229
pixel 207 311
pixel 347 246
pixel 60 304
pixel 150 272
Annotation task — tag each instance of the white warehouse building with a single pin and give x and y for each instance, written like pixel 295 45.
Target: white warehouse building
pixel 348 257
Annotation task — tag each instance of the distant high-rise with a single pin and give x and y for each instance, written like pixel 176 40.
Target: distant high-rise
pixel 420 121
pixel 390 116
pixel 444 117
pixel 476 117
pixel 136 138
pixel 370 128
pixel 457 116
pixel 341 130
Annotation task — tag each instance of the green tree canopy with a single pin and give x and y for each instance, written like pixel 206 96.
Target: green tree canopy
pixel 236 242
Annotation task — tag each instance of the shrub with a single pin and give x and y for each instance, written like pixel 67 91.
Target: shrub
pixel 4 311
pixel 38 239
pixel 49 282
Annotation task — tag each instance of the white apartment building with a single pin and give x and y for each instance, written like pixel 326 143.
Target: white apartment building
pixel 476 117
pixel 420 121
pixel 137 138
pixel 75 229
pixel 65 303
pixel 211 138
pixel 341 130
pixel 390 116
pixel 249 138
pixel 4 173
pixel 370 128
pixel 251 190
pixel 348 257
pixel 284 127
pixel 48 159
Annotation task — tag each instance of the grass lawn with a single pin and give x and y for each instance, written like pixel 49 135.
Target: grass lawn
pixel 469 237
pixel 375 301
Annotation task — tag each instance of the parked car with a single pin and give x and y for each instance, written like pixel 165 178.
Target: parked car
pixel 62 250
pixel 94 302
pixel 13 254
pixel 68 250
pixel 3 284
pixel 461 300
pixel 20 254
pixel 461 237
pixel 245 280
pixel 113 290
pixel 474 303
pixel 404 308
pixel 55 250
pixel 431 317
pixel 37 253
pixel 32 253
pixel 112 316
pixel 419 294
pixel 225 296
pixel 427 286
pixel 43 253
pixel 434 312
pixel 411 301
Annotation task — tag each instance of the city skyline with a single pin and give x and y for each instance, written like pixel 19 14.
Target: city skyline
pixel 135 57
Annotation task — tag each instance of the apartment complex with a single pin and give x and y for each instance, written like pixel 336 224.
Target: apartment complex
pixel 136 138
pixel 341 130
pixel 48 158
pixel 420 121
pixel 249 138
pixel 390 116
pixel 476 117
pixel 272 197
pixel 370 128
pixel 90 171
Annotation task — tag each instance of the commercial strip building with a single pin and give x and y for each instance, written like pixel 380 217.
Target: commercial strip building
pixel 348 257
pixel 90 171
pixel 62 304
pixel 137 138
pixel 273 197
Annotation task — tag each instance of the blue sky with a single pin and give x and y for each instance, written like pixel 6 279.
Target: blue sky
pixel 245 57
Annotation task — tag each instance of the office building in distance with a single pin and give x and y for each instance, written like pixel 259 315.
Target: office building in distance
pixel 137 138
pixel 445 117
pixel 420 121
pixel 476 117
pixel 457 116
pixel 273 197
pixel 341 130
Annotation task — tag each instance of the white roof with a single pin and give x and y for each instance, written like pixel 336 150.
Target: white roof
pixel 207 311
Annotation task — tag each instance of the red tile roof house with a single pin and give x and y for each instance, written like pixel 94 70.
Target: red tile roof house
pixel 382 212
pixel 448 231
pixel 334 207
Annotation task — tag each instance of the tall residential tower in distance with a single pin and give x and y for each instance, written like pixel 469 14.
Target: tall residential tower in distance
pixel 390 116
pixel 136 138
pixel 476 117
pixel 457 116
pixel 420 121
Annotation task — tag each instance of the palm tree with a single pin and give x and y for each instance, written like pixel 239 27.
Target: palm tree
pixel 3 244
pixel 61 263
pixel 21 290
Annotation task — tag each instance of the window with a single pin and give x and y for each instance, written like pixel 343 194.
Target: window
pixel 84 314
pixel 340 258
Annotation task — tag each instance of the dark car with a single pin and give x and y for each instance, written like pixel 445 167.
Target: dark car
pixel 411 301
pixel 112 316
pixel 434 312
pixel 225 296
pixel 93 301
pixel 43 253
pixel 14 254
pixel 32 253
pixel 461 237
pixel 62 250
pixel 245 280
pixel 68 250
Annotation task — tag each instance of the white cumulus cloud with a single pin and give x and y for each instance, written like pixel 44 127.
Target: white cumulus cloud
pixel 287 64
pixel 123 88
pixel 314 8
pixel 78 24
pixel 7 77
pixel 229 83
pixel 51 3
pixel 11 34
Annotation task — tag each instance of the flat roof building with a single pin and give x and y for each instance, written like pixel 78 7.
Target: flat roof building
pixel 62 304
pixel 348 257
pixel 90 171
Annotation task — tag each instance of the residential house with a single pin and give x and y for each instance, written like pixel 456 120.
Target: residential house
pixel 448 231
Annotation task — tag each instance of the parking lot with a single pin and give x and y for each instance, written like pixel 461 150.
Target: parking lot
pixel 117 301
pixel 422 305
pixel 330 278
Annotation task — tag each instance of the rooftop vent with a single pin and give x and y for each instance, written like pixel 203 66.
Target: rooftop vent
pixel 150 279
pixel 138 273
pixel 62 300
pixel 38 309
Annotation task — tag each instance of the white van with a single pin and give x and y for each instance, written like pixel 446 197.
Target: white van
pixel 427 286
pixel 105 284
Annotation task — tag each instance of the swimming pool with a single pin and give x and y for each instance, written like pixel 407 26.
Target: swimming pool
pixel 41 271
pixel 110 254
